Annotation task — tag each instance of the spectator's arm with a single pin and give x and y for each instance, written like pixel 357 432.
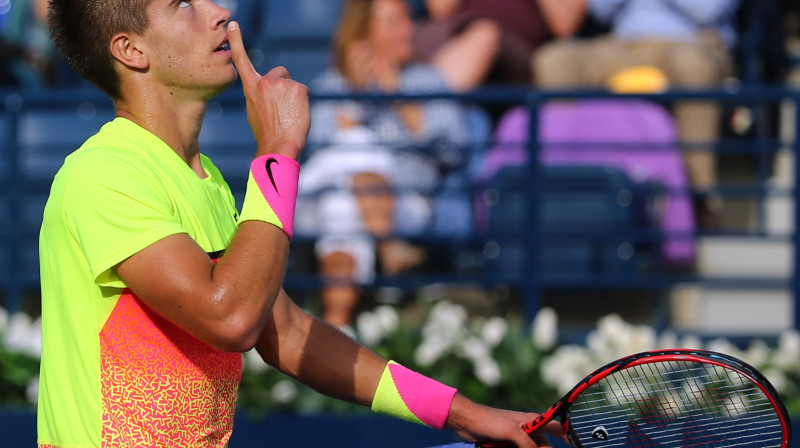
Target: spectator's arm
pixel 706 12
pixel 331 116
pixel 605 10
pixel 563 16
pixel 443 119
pixel 411 115
pixel 441 9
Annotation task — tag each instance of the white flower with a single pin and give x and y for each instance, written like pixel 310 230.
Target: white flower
pixel 757 354
pixel 691 341
pixel 35 341
pixel 369 329
pixel 446 318
pixel 612 339
pixel 388 319
pixel 566 366
pixel 475 349
pixel 446 325
pixel 722 345
pixel 737 405
pixel 667 340
pixel 3 320
pixel 17 331
pixel 487 371
pixel 787 354
pixel 24 336
pixel 671 405
pixel 643 338
pixel 616 330
pixel 544 329
pixel 778 379
pixel 32 391
pixel 429 352
pixel 597 345
pixel 252 361
pixel 284 391
pixel 375 325
pixel 618 400
pixel 494 330
pixel 789 342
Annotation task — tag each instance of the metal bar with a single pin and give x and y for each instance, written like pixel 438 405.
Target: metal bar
pixel 796 246
pixel 532 191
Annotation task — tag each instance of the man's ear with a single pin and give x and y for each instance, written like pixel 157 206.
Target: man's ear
pixel 125 49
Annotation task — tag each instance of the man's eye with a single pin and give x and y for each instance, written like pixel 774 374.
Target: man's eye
pixel 184 4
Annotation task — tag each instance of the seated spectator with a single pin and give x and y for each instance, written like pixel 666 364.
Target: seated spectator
pixel 27 55
pixel 476 42
pixel 372 167
pixel 688 40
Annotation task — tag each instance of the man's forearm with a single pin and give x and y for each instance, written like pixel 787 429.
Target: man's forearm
pixel 319 355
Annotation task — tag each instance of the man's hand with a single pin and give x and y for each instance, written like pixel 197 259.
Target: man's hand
pixel 477 423
pixel 277 107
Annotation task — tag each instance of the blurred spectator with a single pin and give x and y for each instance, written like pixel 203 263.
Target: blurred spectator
pixel 689 41
pixel 372 166
pixel 475 42
pixel 25 49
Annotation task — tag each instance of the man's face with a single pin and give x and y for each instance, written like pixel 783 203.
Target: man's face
pixel 188 46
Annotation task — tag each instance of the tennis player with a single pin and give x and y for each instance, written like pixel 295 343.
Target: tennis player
pixel 153 283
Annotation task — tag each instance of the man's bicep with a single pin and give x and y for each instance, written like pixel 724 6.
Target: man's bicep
pixel 172 276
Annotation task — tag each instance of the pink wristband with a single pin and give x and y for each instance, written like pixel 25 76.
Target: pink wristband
pixel 414 397
pixel 272 191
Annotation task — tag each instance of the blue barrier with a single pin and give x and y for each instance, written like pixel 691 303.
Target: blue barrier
pixel 19 430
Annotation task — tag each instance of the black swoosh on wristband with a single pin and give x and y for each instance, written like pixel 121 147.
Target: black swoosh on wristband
pixel 268 165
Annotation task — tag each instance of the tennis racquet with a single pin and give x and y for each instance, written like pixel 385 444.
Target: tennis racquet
pixel 671 399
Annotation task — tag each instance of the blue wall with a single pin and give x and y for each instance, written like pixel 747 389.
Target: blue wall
pixel 19 430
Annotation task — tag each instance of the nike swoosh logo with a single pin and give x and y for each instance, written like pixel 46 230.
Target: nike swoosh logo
pixel 269 163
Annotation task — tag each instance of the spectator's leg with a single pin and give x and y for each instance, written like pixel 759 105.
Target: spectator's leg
pixel 346 255
pixel 699 65
pixel 692 65
pixel 339 296
pixel 397 256
pixel 512 64
pixel 375 203
pixel 579 63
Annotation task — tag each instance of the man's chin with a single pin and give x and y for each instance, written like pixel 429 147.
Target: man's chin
pixel 222 87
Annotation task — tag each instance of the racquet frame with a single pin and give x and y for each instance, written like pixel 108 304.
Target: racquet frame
pixel 560 409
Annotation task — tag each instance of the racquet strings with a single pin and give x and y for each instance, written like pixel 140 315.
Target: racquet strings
pixel 675 404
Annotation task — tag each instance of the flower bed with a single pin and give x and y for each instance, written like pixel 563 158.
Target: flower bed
pixel 495 360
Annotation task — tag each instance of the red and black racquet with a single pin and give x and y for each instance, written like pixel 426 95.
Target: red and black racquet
pixel 671 399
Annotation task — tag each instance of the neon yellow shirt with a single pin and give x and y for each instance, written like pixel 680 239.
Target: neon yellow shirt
pixel 114 373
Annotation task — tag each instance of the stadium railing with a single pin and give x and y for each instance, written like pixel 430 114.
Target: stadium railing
pixel 37 129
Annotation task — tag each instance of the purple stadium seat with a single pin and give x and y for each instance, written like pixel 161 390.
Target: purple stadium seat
pixel 636 136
